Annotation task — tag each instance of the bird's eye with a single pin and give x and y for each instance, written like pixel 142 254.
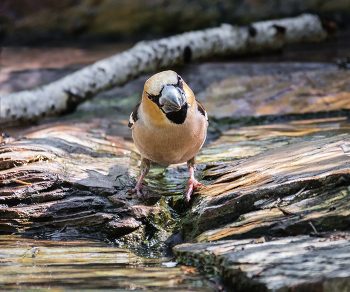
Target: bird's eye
pixel 149 96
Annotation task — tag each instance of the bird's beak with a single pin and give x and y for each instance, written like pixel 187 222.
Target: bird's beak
pixel 172 99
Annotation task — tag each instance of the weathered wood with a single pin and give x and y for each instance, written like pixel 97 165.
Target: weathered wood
pixel 72 180
pixel 62 181
pixel 65 94
pixel 303 93
pixel 243 142
pixel 291 264
pixel 275 193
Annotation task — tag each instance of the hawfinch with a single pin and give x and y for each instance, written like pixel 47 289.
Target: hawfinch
pixel 168 126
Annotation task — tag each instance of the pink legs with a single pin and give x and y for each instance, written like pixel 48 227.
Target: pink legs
pixel 144 168
pixel 192 183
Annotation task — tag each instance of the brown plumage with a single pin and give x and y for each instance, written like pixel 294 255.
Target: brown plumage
pixel 168 126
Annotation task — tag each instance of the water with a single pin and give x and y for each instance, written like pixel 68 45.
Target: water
pixel 29 264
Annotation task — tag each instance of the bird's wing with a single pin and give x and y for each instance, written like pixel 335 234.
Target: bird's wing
pixel 202 110
pixel 134 116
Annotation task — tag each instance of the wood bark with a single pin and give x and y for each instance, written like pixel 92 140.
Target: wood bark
pixel 148 56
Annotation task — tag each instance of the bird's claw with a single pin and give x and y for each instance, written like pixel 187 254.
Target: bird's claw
pixel 192 184
pixel 141 193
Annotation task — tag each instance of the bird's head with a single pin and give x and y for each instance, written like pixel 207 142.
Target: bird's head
pixel 167 97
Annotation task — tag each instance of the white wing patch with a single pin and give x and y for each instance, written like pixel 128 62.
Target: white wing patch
pixel 134 116
pixel 131 121
pixel 202 110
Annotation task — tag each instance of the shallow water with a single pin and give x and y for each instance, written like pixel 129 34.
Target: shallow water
pixel 29 264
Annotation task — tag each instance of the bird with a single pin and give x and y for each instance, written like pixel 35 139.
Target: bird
pixel 169 126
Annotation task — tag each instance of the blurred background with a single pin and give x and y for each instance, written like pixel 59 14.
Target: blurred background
pixel 25 22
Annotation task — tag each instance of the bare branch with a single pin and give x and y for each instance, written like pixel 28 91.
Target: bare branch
pixel 148 56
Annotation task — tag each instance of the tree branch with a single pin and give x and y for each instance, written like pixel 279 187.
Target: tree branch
pixel 148 56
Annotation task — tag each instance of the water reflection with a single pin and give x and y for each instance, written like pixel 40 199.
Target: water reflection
pixel 27 264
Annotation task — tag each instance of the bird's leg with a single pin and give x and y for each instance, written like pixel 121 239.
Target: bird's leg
pixel 144 169
pixel 192 183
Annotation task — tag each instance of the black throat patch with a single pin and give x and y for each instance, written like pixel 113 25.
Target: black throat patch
pixel 178 117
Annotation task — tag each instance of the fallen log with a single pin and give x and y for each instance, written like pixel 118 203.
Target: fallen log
pixel 65 94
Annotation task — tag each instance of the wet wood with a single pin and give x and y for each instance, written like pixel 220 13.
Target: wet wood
pixel 295 264
pixel 308 93
pixel 66 93
pixel 243 142
pixel 276 193
pixel 61 182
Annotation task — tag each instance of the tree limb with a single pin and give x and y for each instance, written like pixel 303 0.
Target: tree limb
pixel 148 56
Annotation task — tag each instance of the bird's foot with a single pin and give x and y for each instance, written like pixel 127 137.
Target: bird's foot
pixel 141 193
pixel 192 184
